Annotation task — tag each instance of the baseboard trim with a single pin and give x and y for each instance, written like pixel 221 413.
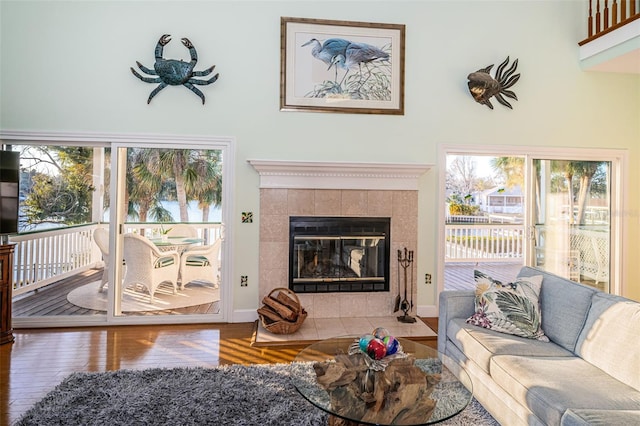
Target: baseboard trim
pixel 427 311
pixel 244 315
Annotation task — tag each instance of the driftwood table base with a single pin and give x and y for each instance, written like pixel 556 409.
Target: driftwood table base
pixel 398 395
pixel 337 421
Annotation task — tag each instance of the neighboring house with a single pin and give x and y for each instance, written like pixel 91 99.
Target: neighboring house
pixel 501 200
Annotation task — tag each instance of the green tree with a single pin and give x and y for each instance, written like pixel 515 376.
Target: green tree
pixel 62 185
pixel 585 170
pixel 511 169
pixel 145 187
pixel 171 164
pixel 205 185
pixel 180 174
pixel 574 177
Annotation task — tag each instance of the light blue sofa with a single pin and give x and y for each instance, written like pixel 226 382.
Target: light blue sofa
pixel 588 374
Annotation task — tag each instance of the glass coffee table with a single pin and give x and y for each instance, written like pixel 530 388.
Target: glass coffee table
pixel 399 395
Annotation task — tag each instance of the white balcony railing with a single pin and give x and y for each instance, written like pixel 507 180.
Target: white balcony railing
pixel 472 243
pixel 45 257
pixel 586 250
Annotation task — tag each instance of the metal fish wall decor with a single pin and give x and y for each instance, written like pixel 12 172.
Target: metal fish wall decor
pixel 483 87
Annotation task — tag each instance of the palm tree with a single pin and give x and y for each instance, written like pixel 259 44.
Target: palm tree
pixel 207 186
pixel 173 164
pixel 585 171
pixel 511 168
pixel 151 173
pixel 145 187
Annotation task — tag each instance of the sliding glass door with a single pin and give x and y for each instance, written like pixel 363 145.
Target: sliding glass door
pixel 167 229
pixel 82 200
pixel 560 221
pixel 571 219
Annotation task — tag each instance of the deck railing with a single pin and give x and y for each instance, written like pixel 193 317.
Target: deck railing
pixel 209 232
pixel 473 243
pixel 45 257
pixel 608 15
pixel 586 254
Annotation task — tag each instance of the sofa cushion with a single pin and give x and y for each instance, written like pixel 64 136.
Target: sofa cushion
pixel 480 344
pixel 564 305
pixel 586 417
pixel 610 338
pixel 510 308
pixel 548 386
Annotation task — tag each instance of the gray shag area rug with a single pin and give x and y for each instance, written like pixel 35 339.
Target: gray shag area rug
pixel 226 395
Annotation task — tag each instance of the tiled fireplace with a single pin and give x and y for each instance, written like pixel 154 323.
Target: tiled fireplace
pixel 312 189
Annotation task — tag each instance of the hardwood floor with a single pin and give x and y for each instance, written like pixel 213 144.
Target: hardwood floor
pixel 40 359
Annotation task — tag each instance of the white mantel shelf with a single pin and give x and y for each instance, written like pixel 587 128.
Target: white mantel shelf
pixel 338 175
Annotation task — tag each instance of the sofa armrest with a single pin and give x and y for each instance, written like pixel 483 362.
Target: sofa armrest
pixel 453 304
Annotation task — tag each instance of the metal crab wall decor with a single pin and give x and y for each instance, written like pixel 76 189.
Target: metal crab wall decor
pixel 482 86
pixel 174 72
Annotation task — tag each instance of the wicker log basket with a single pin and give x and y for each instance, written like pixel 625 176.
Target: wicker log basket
pixel 282 312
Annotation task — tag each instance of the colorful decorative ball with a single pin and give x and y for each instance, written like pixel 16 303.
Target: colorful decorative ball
pixel 364 342
pixel 376 349
pixel 392 344
pixel 380 333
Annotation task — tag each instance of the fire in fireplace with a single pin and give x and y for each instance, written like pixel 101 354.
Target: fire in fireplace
pixel 338 254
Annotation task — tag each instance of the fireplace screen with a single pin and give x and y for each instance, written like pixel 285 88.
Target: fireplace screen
pixel 338 254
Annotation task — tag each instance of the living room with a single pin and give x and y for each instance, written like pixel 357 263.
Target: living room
pixel 66 77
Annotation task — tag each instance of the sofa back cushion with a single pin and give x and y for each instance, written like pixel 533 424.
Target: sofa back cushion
pixel 564 305
pixel 610 336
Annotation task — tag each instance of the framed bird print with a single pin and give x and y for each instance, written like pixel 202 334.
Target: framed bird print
pixel 341 66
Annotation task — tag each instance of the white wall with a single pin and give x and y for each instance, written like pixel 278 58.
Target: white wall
pixel 65 67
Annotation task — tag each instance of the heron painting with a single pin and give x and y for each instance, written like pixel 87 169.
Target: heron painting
pixel 342 66
pixel 370 76
pixel 345 54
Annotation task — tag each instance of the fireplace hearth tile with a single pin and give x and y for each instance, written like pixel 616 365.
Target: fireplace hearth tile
pixel 327 202
pixel 328 327
pixel 357 326
pixel 380 203
pixel 300 202
pixel 354 203
pixel 273 202
pixel 314 329
pixel 274 228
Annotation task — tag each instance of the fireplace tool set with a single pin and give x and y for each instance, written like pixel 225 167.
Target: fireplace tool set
pixel 405 260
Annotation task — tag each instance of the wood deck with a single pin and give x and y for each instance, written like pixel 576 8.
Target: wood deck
pixel 459 276
pixel 52 301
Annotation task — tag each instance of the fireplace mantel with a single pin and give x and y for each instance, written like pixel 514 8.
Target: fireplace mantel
pixel 338 175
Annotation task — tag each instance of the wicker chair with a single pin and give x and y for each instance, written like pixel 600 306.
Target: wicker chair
pixel 101 238
pixel 200 263
pixel 149 266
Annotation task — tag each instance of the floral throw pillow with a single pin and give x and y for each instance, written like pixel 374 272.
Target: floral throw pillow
pixel 511 308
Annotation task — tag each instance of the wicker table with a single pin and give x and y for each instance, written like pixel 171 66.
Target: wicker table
pixel 179 244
